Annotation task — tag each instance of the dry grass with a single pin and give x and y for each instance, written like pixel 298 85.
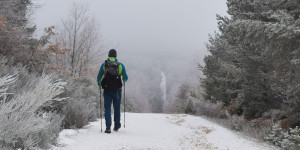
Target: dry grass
pixel 180 121
pixel 206 130
pixel 243 126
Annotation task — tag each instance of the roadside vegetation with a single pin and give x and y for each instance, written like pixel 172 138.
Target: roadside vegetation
pixel 252 75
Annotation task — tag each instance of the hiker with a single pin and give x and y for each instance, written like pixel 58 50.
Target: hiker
pixel 109 78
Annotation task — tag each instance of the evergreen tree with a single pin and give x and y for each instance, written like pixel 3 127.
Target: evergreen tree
pixel 288 140
pixel 16 39
pixel 276 135
pixel 255 58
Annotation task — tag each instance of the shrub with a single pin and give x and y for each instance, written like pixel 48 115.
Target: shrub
pixel 189 108
pixel 189 100
pixel 276 114
pixel 209 109
pixel 288 140
pixel 51 132
pixel 295 120
pixel 239 123
pixel 20 125
pixel 78 113
pixel 82 106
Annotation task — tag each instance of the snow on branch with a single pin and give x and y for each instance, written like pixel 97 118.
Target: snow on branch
pixel 5 81
pixel 18 118
pixel 8 79
pixel 296 61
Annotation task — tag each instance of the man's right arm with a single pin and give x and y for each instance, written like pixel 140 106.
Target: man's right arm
pixel 100 74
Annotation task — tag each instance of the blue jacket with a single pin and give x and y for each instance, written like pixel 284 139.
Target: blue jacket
pixel 122 71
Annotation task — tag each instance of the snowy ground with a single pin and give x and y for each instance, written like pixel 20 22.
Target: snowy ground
pixel 158 132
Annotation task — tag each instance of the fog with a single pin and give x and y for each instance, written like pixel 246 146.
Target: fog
pixel 160 42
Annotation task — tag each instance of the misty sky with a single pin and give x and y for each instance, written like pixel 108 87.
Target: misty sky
pixel 145 27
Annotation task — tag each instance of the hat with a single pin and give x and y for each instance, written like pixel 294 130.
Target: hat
pixel 112 53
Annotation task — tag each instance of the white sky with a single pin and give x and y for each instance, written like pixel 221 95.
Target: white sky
pixel 146 27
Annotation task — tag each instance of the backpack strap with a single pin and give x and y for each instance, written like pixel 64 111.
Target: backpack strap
pixel 106 67
pixel 118 69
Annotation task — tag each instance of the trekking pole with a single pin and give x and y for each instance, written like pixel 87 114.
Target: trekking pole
pixel 124 104
pixel 100 107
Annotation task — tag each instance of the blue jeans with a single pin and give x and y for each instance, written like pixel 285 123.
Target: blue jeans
pixel 115 98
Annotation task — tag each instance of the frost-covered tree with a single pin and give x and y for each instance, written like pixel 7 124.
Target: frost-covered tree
pixel 276 135
pixel 12 35
pixel 288 140
pixel 16 32
pixel 295 137
pixel 255 58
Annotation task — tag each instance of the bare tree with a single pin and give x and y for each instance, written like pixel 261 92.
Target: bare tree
pixel 80 35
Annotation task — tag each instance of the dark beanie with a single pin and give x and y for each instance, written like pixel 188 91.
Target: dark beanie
pixel 112 53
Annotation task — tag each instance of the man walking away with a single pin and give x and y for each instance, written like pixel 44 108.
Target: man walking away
pixel 109 78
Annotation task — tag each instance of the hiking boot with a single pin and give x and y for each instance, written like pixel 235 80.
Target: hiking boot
pixel 117 127
pixel 107 130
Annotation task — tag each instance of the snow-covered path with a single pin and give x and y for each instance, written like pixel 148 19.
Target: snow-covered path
pixel 158 132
